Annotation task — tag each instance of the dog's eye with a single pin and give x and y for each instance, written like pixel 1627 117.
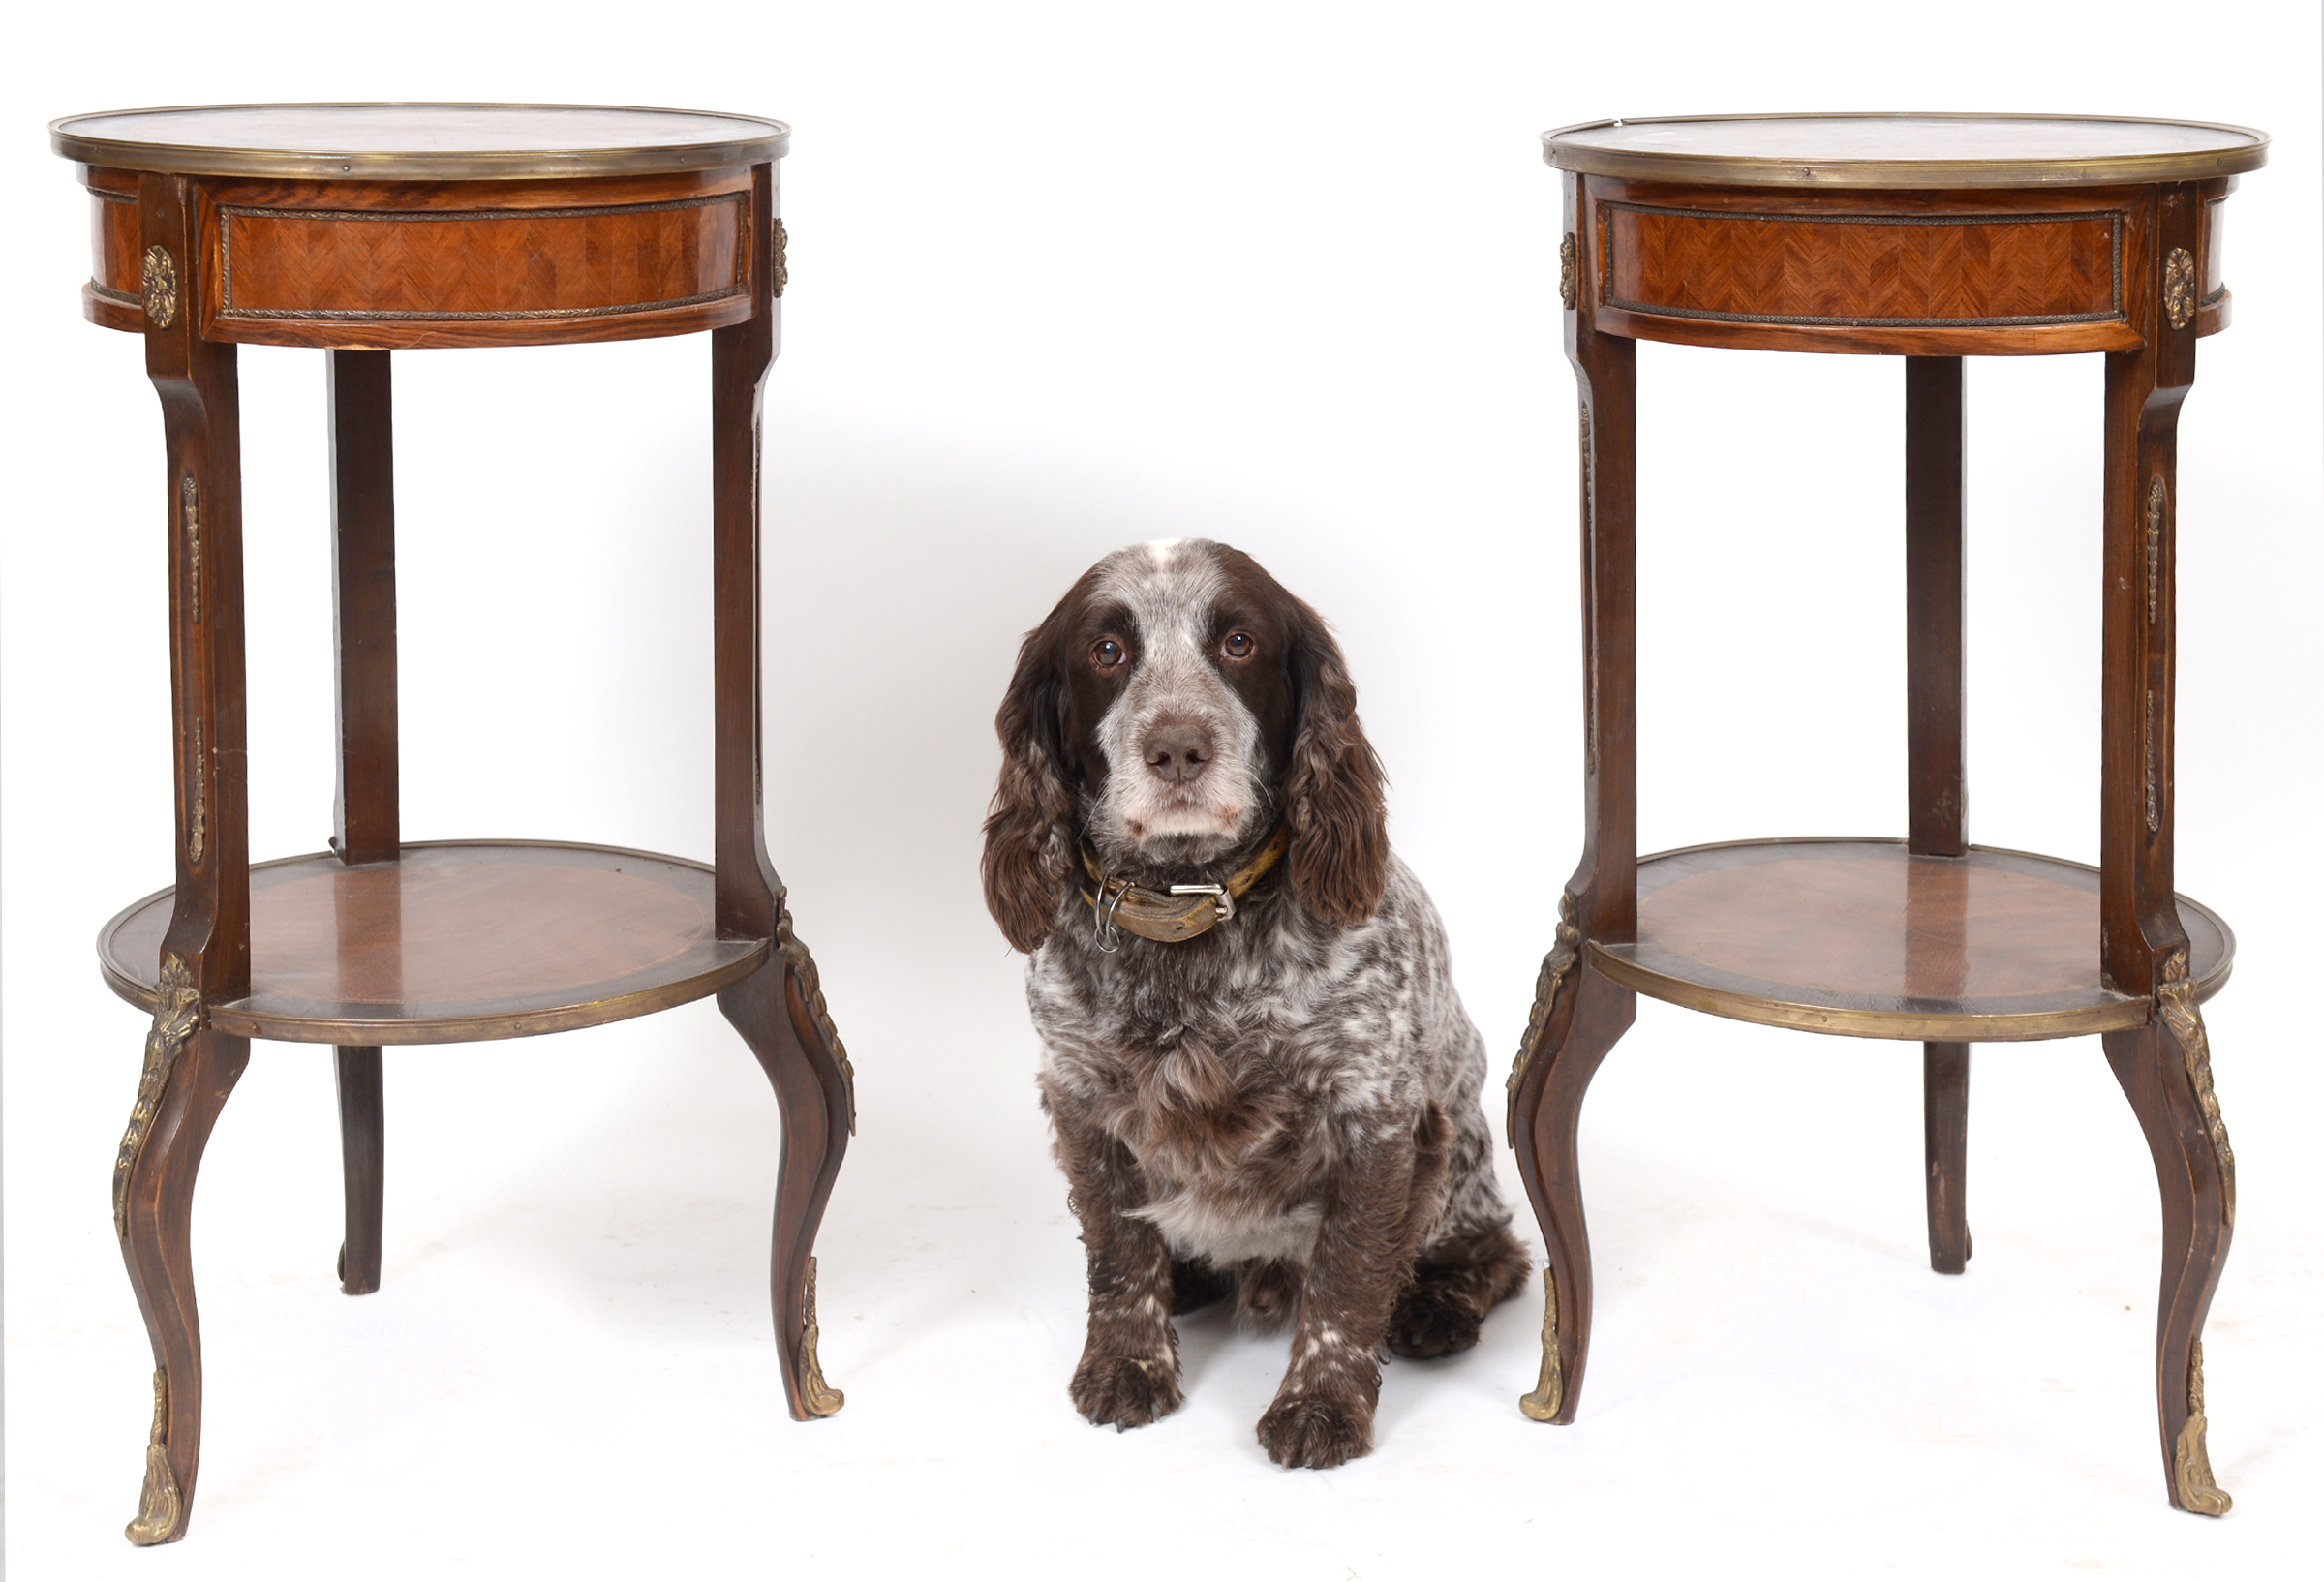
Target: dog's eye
pixel 1239 646
pixel 1107 653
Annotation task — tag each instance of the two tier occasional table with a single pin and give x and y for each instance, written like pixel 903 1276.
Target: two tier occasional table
pixel 365 229
pixel 1929 237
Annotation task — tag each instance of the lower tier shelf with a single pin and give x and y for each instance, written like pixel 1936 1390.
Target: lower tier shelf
pixel 461 940
pixel 1861 937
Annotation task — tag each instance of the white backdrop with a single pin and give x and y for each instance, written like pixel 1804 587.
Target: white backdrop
pixel 1064 277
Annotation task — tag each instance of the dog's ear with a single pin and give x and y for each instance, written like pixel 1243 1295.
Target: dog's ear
pixel 1028 834
pixel 1333 795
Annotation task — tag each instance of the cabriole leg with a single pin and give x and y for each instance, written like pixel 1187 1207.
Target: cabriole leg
pixel 778 1009
pixel 189 1069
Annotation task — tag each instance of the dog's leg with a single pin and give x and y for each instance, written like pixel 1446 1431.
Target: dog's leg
pixel 1471 1262
pixel 1129 1370
pixel 1372 1223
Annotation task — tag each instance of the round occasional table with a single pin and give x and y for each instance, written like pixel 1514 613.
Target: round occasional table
pixel 365 229
pixel 1933 239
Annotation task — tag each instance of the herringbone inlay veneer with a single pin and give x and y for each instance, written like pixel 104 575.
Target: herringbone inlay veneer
pixel 1864 269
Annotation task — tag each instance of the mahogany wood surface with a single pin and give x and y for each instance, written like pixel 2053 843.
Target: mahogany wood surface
pixel 1933 239
pixel 464 225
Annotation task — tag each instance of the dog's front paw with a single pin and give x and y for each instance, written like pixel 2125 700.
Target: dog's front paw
pixel 1125 1391
pixel 1434 1317
pixel 1316 1430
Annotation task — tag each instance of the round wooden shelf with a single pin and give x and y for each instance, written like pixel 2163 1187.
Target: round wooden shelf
pixel 462 940
pixel 1861 937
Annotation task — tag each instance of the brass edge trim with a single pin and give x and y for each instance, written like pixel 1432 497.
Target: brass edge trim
pixel 1546 1396
pixel 1557 966
pixel 112 294
pixel 177 1012
pixel 272 315
pixel 130 199
pixel 819 1397
pixel 196 160
pixel 158 1503
pixel 1743 170
pixel 1951 1027
pixel 2191 1454
pixel 811 990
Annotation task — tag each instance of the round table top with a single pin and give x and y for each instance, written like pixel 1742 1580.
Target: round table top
pixel 1905 150
pixel 425 143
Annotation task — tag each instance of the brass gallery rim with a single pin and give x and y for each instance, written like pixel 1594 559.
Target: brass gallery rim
pixel 1807 1010
pixel 310 148
pixel 2206 150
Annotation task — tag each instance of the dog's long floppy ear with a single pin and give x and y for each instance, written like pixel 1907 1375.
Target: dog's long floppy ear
pixel 1028 834
pixel 1332 796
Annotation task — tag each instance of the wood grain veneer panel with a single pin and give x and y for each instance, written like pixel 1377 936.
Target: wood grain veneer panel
pixel 1886 270
pixel 535 264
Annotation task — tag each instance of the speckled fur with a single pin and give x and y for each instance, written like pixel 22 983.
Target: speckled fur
pixel 1288 1104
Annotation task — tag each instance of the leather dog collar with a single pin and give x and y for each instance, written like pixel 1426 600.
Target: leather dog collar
pixel 1184 910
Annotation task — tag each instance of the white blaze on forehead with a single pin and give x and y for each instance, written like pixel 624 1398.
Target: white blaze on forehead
pixel 1171 589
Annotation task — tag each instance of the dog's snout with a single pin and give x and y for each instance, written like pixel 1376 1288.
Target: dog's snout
pixel 1177 752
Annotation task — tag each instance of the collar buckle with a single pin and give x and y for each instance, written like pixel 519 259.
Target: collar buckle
pixel 1226 901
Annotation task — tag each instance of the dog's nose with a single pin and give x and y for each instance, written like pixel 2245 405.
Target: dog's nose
pixel 1178 753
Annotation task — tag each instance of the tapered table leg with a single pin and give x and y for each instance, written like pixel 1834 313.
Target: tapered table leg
pixel 778 1009
pixel 367 811
pixel 1936 707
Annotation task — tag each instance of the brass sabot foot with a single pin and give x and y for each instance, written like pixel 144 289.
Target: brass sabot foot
pixel 2190 1458
pixel 1549 1394
pixel 158 1507
pixel 818 1398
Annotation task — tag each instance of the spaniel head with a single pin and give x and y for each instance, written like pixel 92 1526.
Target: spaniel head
pixel 1176 704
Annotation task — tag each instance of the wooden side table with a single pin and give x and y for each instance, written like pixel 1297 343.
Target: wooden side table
pixel 1930 237
pixel 364 230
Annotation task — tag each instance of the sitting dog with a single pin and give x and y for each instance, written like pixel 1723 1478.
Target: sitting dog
pixel 1261 1080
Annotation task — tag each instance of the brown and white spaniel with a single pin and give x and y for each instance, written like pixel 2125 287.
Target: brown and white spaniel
pixel 1264 1085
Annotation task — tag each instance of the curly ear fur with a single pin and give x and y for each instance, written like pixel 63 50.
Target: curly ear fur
pixel 1028 833
pixel 1333 795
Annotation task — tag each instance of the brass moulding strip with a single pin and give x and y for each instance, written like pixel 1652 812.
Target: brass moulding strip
pixel 773 142
pixel 2115 1012
pixel 1763 170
